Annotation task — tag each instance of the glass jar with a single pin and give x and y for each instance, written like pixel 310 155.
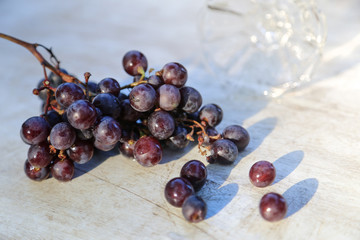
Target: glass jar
pixel 262 46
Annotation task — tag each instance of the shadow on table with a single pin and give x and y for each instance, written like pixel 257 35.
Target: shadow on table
pixel 300 194
pixel 218 196
pixel 98 158
pixel 287 164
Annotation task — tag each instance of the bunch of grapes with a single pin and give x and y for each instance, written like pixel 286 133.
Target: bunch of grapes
pixel 159 111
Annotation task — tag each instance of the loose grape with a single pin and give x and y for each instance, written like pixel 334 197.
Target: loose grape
pixel 262 173
pixel 177 190
pixel 273 207
pixel 194 209
pixel 196 172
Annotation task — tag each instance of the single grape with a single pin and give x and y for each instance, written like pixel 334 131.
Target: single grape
pixel 34 130
pixel 191 99
pixel 34 173
pixel 39 155
pixel 81 114
pixel 67 93
pixel 223 151
pixel 43 93
pixel 174 73
pixel 262 173
pixel 196 172
pixel 62 136
pixel 81 151
pixel 129 114
pixel 108 104
pixel 53 117
pixel 273 207
pixel 238 135
pixel 128 140
pixel 168 97
pixel 178 140
pixel 212 114
pixel 194 209
pixel 147 151
pixel 133 61
pixel 177 190
pixel 127 148
pixel 155 81
pixel 107 131
pixel 142 97
pixel 109 85
pixel 63 169
pixel 161 124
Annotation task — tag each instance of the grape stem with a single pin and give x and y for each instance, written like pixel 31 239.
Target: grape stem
pixel 32 47
pixel 131 85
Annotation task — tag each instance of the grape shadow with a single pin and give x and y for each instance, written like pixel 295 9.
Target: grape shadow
pixel 300 194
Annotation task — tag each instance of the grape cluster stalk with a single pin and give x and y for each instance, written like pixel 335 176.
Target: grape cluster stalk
pixel 160 111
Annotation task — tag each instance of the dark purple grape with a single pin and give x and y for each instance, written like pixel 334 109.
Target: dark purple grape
pixel 273 207
pixel 81 151
pixel 34 173
pixel 127 148
pixel 177 190
pixel 34 130
pixel 147 151
pixel 43 93
pixel 142 97
pixel 107 131
pixel 191 99
pixel 63 169
pixel 196 172
pixel 67 93
pixel 39 155
pixel 238 135
pixel 178 140
pixel 81 114
pixel 262 174
pixel 168 97
pixel 212 114
pixel 194 209
pixel 109 85
pixel 53 117
pixel 133 61
pixel 129 114
pixel 223 151
pixel 62 136
pixel 155 81
pixel 104 147
pixel 108 104
pixel 161 124
pixel 174 73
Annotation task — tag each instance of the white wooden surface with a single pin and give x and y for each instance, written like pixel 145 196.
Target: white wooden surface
pixel 312 135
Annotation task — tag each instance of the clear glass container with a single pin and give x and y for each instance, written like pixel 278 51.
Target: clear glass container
pixel 262 46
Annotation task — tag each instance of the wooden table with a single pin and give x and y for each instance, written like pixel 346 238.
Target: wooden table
pixel 311 135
